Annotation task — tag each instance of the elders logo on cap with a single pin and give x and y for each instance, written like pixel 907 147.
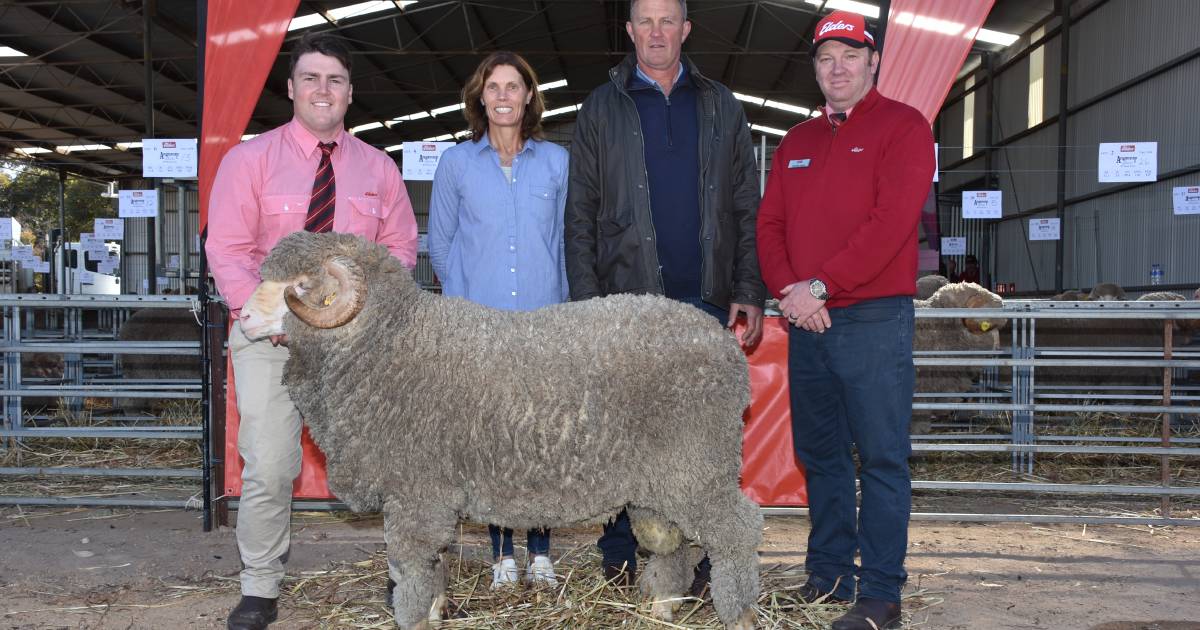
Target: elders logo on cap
pixel 843 26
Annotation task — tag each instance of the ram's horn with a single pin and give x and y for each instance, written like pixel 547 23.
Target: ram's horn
pixel 341 306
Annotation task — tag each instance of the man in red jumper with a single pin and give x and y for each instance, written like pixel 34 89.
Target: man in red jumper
pixel 837 243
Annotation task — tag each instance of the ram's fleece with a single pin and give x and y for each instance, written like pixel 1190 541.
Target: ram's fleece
pixel 436 409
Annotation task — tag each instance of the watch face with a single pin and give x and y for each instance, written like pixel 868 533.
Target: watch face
pixel 817 288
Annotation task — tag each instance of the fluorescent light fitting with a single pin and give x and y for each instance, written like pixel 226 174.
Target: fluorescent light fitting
pixel 408 117
pixel 561 110
pixel 82 147
pixel 32 150
pixel 443 137
pixel 787 107
pixel 447 109
pixel 861 8
pixel 125 146
pixel 551 85
pixel 393 148
pixel 749 99
pixel 248 136
pixel 341 13
pixel 8 51
pixel 365 127
pixel 994 37
pixel 771 130
pixel 926 23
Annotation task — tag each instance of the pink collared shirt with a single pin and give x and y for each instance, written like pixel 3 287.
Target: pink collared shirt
pixel 261 194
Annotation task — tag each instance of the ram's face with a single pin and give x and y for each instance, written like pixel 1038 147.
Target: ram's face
pixel 262 316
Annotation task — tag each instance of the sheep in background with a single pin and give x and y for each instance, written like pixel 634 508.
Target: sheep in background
pixel 928 285
pixel 437 409
pixel 1196 295
pixel 1070 295
pixel 940 334
pixel 1106 291
pixel 158 324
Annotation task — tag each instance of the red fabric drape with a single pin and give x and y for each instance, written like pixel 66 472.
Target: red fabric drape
pixel 927 41
pixel 770 475
pixel 243 41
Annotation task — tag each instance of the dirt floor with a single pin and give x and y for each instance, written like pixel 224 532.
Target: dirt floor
pixel 157 569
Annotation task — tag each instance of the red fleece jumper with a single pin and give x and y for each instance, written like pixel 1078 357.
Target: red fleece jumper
pixel 843 205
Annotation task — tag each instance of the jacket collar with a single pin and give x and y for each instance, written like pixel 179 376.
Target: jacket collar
pixel 306 142
pixel 867 103
pixel 485 144
pixel 621 73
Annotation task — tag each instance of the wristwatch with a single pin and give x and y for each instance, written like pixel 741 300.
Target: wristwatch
pixel 818 290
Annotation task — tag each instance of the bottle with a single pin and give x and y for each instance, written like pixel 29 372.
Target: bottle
pixel 1156 274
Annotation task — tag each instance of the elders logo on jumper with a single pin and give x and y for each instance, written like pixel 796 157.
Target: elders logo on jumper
pixel 836 26
pixel 857 150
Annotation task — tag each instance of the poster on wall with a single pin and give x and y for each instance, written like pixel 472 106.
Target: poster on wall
pixel 421 159
pixel 1128 162
pixel 137 203
pixel 981 204
pixel 1045 229
pixel 936 165
pixel 110 229
pixel 1186 199
pixel 954 245
pixel 169 157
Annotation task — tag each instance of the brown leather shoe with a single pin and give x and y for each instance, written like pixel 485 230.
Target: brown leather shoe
pixel 253 613
pixel 869 614
pixel 619 574
pixel 809 593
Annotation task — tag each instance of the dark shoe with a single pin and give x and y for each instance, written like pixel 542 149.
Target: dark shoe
pixel 387 597
pixel 253 613
pixel 701 578
pixel 869 614
pixel 620 574
pixel 810 594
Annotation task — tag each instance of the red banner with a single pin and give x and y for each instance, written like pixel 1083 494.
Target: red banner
pixel 243 40
pixel 770 475
pixel 926 43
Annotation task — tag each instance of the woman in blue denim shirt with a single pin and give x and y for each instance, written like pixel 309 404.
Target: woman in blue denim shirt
pixel 496 228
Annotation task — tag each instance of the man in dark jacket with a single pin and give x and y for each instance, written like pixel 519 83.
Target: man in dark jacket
pixel 663 196
pixel 838 244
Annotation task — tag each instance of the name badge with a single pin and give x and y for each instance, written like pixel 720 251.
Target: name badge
pixel 799 163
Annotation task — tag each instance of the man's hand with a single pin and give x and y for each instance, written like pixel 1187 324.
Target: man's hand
pixel 279 340
pixel 798 304
pixel 754 319
pixel 818 322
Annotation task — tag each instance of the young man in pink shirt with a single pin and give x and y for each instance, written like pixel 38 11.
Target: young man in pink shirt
pixel 309 174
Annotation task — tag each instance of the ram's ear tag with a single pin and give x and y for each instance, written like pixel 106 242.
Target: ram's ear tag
pixel 330 298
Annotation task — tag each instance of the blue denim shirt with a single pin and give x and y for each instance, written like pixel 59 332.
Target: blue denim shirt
pixel 496 243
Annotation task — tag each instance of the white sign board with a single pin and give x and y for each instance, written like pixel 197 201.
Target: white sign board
pixel 423 243
pixel 24 254
pixel 110 229
pixel 10 229
pixel 169 157
pixel 936 166
pixel 42 266
pixel 137 203
pixel 173 261
pixel 87 277
pixel 1045 229
pixel 107 266
pixel 981 204
pixel 1128 162
pixel 1186 199
pixel 954 245
pixel 421 159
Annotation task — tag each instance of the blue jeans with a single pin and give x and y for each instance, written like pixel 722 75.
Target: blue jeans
pixel 538 541
pixel 618 546
pixel 852 386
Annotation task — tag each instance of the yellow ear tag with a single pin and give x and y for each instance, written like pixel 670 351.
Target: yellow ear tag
pixel 333 296
pixel 984 326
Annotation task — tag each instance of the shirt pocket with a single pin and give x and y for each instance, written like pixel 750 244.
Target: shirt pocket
pixel 284 214
pixel 367 216
pixel 543 204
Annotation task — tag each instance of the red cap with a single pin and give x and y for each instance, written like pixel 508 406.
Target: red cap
pixel 843 26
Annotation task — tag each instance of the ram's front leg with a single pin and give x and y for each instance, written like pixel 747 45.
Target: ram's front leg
pixel 415 565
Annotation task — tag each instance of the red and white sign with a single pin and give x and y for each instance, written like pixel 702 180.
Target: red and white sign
pixel 1186 199
pixel 1128 162
pixel 421 159
pixel 981 204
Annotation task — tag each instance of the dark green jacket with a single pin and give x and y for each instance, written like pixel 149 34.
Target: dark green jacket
pixel 609 232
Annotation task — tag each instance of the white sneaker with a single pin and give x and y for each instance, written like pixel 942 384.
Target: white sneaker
pixel 541 572
pixel 504 573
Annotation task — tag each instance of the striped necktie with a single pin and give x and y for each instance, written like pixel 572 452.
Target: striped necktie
pixel 836 119
pixel 324 193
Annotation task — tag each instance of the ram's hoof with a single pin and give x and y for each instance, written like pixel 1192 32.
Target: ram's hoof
pixel 745 622
pixel 664 609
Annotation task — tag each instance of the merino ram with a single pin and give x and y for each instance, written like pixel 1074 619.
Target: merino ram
pixel 435 409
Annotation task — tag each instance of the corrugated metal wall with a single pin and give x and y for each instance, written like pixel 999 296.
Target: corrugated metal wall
pixel 1112 237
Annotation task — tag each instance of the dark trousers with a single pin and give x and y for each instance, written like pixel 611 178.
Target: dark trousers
pixel 618 546
pixel 852 386
pixel 538 541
